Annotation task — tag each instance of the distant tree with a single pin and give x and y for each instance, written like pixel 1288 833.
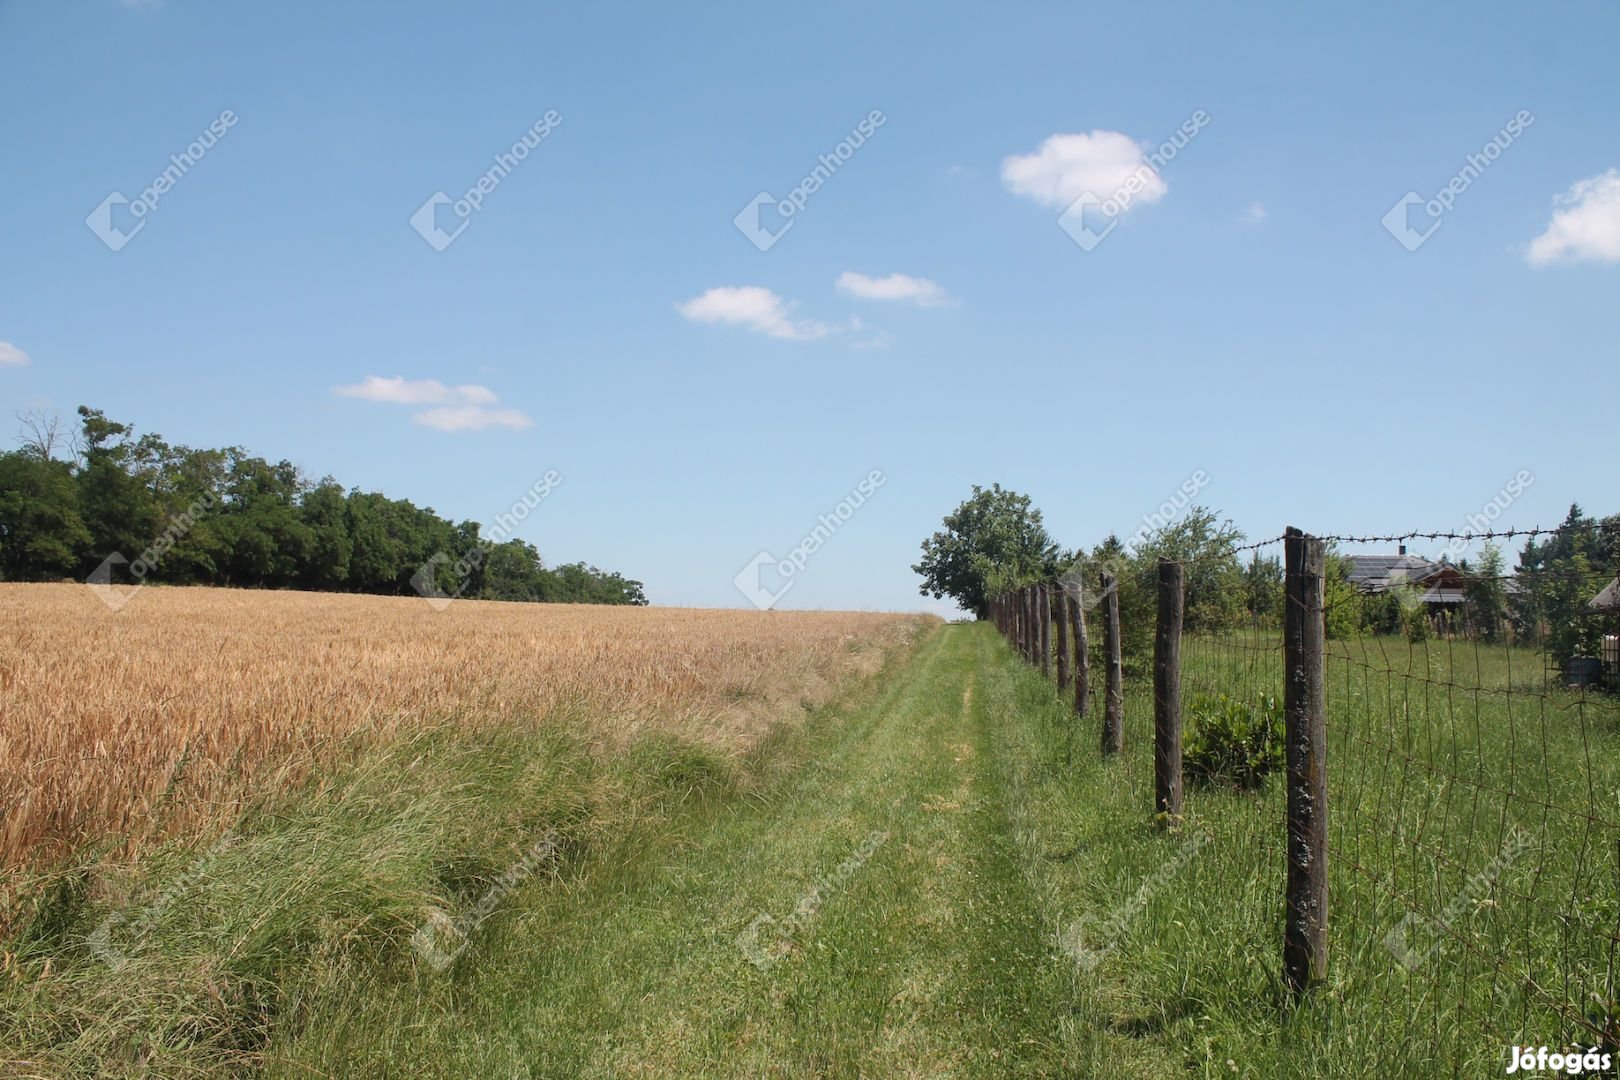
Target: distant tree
pixel 1263 589
pixel 996 538
pixel 1557 579
pixel 224 516
pixel 1213 579
pixel 116 508
pixel 323 512
pixel 1485 595
pixel 41 532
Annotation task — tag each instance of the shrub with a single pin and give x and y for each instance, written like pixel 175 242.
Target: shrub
pixel 1232 741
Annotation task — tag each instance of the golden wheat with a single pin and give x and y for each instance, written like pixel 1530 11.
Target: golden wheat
pixel 187 701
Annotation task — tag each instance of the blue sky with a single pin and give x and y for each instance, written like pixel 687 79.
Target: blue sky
pixel 602 315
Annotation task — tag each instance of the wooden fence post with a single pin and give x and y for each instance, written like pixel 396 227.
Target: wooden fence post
pixel 1043 615
pixel 1113 738
pixel 1167 694
pixel 1082 646
pixel 1062 617
pixel 1305 741
pixel 1027 620
pixel 1030 609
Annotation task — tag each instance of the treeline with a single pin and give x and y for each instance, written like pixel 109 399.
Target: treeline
pixel 103 501
pixel 996 541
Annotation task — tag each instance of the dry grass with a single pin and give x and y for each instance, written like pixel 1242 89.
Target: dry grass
pixel 173 711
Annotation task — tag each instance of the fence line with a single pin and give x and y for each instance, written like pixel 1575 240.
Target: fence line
pixel 1472 866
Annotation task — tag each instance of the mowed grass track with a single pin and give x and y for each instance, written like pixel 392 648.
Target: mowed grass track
pixel 929 958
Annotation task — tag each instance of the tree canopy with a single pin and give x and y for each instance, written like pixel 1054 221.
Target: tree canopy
pixel 993 541
pixel 224 517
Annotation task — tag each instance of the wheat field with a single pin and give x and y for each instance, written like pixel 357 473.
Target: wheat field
pixel 121 727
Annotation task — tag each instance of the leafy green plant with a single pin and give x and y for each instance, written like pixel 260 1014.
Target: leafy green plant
pixel 1231 741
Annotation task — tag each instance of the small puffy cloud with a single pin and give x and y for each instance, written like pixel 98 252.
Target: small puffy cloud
pixel 1064 167
pixel 471 418
pixel 751 306
pixel 11 356
pixel 468 407
pixel 1254 215
pixel 894 287
pixel 402 391
pixel 1585 225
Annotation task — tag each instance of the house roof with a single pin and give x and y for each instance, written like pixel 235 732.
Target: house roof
pixel 1379 573
pixel 1609 598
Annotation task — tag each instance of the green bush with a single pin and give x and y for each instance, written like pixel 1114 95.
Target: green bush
pixel 1232 741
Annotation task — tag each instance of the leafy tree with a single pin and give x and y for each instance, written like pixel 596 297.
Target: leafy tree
pixel 1485 595
pixel 1557 579
pixel 227 517
pixel 1263 589
pixel 41 532
pixel 992 541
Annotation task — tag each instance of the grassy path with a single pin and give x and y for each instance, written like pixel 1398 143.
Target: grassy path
pixel 870 916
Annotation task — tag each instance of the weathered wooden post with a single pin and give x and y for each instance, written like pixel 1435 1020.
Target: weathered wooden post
pixel 1167 695
pixel 1061 614
pixel 1026 624
pixel 1082 647
pixel 1305 741
pixel 1043 616
pixel 1114 674
pixel 1034 630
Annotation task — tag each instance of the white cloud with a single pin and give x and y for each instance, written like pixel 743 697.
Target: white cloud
pixel 11 356
pixel 1065 167
pixel 894 287
pixel 1586 224
pixel 402 391
pixel 753 307
pixel 468 407
pixel 1254 215
pixel 471 418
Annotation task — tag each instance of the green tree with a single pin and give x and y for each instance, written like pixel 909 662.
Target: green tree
pixel 41 532
pixel 1263 590
pixel 994 539
pixel 1485 595
pixel 1557 578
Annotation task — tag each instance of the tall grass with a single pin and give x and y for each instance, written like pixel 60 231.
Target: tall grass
pixel 216 944
pixel 169 716
pixel 1474 869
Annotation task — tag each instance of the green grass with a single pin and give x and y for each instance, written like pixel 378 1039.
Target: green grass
pixel 918 881
pixel 1427 781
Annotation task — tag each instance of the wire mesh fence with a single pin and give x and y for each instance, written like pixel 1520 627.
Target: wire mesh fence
pixel 1470 765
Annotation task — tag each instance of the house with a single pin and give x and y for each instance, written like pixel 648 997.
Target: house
pixel 1608 603
pixel 1440 582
